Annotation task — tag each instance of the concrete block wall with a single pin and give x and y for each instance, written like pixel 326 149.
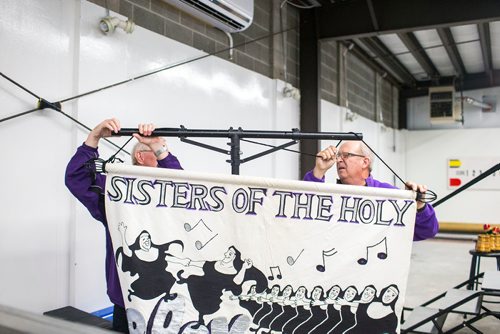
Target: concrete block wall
pixel 360 87
pixel 329 71
pixel 386 103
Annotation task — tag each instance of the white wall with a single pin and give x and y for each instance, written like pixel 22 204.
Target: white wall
pixel 51 250
pixel 427 160
pixel 37 51
pixel 431 145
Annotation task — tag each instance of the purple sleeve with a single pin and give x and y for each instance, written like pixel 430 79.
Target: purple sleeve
pixel 170 161
pixel 78 179
pixel 426 224
pixel 311 178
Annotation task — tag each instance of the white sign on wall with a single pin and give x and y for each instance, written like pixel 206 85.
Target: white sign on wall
pixel 463 170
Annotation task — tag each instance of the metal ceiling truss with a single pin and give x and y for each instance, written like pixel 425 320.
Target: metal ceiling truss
pixel 412 44
pixel 485 40
pixel 389 61
pixel 368 18
pixel 370 62
pixel 363 20
pixel 451 49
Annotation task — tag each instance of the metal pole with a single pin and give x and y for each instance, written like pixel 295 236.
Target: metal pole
pixel 296 135
pixel 236 135
pixel 235 154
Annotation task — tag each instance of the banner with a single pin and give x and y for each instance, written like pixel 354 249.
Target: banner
pixel 204 253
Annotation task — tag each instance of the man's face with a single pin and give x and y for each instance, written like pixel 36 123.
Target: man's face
pixel 351 167
pixel 148 158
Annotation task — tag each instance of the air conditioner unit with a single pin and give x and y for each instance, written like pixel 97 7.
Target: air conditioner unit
pixel 230 16
pixel 443 108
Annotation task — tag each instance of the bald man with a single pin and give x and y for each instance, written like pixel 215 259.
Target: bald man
pixel 354 165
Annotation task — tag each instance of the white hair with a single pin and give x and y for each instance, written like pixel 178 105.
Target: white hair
pixel 364 150
pixel 137 148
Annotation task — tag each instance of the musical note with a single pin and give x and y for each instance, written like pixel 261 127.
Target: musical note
pixel 199 245
pixel 322 267
pixel 189 228
pixel 291 261
pixel 272 273
pixel 380 255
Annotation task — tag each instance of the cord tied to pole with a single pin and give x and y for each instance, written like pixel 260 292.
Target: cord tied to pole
pixel 44 104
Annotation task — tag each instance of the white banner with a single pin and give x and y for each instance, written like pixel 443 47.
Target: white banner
pixel 203 253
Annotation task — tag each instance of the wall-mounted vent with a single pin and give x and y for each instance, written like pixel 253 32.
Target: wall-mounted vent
pixel 443 108
pixel 230 16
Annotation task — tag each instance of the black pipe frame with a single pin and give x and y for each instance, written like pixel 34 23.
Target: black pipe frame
pixel 236 134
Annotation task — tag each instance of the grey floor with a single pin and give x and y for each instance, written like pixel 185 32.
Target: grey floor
pixel 439 264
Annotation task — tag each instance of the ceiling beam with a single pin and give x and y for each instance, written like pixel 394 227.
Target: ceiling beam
pixel 370 62
pixel 485 40
pixel 372 14
pixel 451 48
pixel 411 42
pixel 388 60
pixel 355 19
pixel 468 82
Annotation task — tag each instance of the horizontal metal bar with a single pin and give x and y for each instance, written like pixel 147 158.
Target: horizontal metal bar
pixel 296 135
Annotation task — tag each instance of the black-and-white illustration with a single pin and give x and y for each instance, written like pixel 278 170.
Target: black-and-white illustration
pixel 198 243
pixel 291 261
pixel 275 273
pixel 381 254
pixel 264 308
pixel 149 261
pixel 328 253
pixel 226 274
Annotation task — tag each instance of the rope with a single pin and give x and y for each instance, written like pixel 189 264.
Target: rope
pixel 22 87
pixel 173 66
pixel 427 197
pixel 284 149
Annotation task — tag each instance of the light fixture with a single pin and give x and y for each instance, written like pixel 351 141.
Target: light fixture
pixel 108 24
pixel 472 101
pixel 350 116
pixel 291 92
pixel 348 48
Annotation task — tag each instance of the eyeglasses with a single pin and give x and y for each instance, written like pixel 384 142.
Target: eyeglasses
pixel 346 155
